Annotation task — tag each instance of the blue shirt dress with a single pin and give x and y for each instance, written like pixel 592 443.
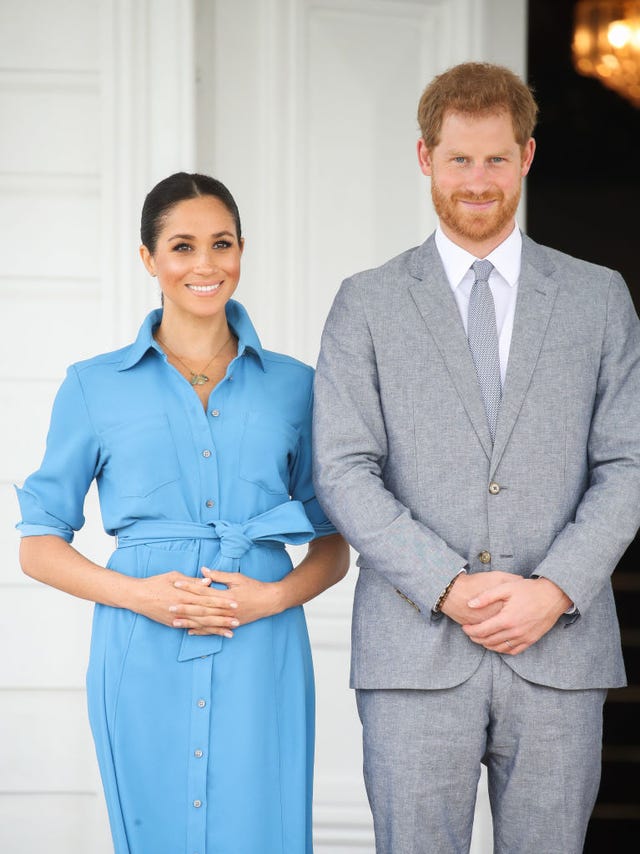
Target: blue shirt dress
pixel 205 744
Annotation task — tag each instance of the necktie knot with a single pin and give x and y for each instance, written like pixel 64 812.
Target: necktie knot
pixel 482 270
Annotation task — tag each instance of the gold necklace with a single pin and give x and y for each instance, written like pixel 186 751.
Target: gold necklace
pixel 197 378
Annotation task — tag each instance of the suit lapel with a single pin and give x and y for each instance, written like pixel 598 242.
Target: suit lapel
pixel 437 306
pixel 536 297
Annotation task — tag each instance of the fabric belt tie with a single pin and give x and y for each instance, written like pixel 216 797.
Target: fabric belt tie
pixel 285 523
pixel 234 543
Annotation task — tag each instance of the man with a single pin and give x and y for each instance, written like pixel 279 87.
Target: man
pixel 478 442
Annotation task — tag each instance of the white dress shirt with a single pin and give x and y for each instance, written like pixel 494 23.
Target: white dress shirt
pixel 503 282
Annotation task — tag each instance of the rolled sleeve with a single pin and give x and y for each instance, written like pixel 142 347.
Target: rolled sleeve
pixel 52 498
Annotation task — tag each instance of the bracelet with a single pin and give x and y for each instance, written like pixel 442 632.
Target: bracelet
pixel 445 593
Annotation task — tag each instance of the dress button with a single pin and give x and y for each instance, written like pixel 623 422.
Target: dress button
pixel 197 754
pixel 485 557
pixel 215 412
pixel 206 453
pixel 197 804
pixel 210 503
pixel 202 704
pixel 494 488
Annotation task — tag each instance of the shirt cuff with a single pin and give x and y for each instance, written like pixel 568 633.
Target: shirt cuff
pixel 441 598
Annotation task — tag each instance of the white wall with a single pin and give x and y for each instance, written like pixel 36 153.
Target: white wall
pixel 83 85
pixel 306 109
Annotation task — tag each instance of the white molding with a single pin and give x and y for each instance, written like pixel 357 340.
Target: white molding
pixel 342 823
pixel 39 80
pixel 377 8
pixel 148 73
pixel 171 91
pixel 279 192
pixel 49 793
pixel 49 183
pixel 47 287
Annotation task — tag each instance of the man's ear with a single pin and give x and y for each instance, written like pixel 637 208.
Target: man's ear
pixel 424 157
pixel 528 151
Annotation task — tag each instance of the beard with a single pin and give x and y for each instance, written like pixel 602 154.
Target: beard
pixel 480 226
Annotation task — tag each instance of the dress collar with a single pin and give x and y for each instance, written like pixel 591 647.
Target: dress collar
pixel 237 318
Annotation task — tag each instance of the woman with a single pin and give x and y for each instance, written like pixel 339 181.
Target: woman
pixel 200 684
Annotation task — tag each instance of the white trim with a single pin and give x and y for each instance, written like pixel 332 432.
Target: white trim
pixel 148 65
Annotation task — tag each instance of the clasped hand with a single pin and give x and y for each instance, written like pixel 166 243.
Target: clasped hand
pixel 182 602
pixel 495 607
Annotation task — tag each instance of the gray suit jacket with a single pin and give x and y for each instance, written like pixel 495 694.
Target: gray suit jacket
pixel 403 462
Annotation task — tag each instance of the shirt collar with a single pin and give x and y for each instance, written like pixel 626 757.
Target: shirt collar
pixel 506 258
pixel 238 320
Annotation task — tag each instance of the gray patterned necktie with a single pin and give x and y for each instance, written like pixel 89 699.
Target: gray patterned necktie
pixel 483 341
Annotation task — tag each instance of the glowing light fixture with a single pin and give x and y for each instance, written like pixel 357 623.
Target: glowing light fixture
pixel 606 44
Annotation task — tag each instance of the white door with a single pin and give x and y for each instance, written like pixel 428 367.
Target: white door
pixel 306 109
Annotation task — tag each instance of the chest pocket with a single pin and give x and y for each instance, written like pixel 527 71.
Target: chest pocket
pixel 267 444
pixel 141 456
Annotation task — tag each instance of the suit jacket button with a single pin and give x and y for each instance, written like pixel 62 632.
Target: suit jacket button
pixel 494 488
pixel 485 557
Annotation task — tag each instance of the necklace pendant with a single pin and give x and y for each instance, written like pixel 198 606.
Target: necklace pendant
pixel 198 379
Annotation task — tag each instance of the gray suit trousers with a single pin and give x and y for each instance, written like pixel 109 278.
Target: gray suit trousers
pixel 422 755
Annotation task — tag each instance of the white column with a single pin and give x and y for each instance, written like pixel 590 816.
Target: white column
pixel 148 132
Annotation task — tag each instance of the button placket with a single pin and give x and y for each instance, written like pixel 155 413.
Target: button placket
pixel 208 474
pixel 197 762
pixel 210 497
pixel 208 451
